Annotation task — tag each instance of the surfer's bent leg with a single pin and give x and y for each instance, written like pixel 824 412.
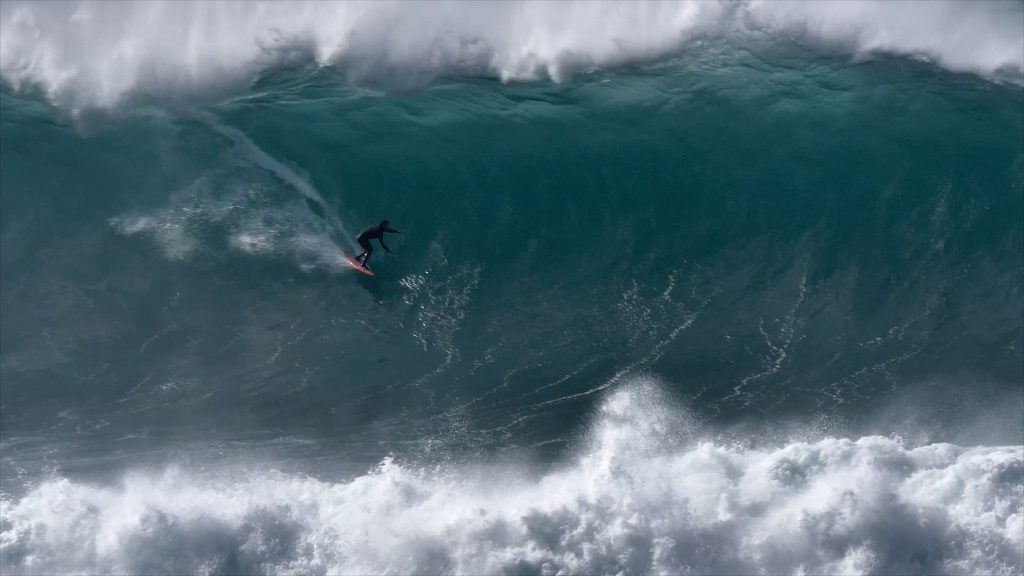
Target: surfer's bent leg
pixel 367 250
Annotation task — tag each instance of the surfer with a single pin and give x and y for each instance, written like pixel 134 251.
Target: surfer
pixel 373 233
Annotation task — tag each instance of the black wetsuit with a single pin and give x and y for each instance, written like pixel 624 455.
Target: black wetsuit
pixel 373 233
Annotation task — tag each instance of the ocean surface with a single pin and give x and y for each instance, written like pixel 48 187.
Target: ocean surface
pixel 683 288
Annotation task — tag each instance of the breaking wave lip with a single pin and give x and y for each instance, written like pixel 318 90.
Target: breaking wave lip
pixel 96 55
pixel 643 495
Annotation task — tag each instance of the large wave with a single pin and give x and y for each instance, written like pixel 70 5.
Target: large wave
pixel 645 494
pixel 558 239
pixel 821 260
pixel 98 54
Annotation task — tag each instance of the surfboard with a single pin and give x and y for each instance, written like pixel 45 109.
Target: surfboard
pixel 355 264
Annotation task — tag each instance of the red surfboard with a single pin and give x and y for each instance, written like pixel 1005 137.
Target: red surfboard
pixel 355 264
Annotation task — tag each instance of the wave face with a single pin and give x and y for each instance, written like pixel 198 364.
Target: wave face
pixel 724 300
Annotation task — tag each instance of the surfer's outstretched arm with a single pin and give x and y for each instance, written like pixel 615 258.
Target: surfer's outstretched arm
pixel 381 239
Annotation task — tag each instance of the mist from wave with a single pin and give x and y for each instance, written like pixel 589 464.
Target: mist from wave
pixel 86 55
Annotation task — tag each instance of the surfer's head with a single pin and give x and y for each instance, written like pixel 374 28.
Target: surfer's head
pixel 385 222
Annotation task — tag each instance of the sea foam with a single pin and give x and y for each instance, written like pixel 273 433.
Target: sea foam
pixel 86 55
pixel 644 494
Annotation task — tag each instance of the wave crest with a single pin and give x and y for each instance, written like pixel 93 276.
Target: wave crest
pixel 88 55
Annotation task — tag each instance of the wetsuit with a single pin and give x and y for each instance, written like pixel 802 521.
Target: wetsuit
pixel 373 233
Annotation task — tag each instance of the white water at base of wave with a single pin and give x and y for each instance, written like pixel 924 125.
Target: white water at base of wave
pixel 87 55
pixel 643 495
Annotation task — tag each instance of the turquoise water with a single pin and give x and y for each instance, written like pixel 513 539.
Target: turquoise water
pixel 757 278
